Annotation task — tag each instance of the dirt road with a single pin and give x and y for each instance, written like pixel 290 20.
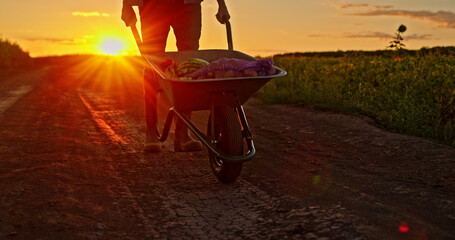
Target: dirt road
pixel 72 167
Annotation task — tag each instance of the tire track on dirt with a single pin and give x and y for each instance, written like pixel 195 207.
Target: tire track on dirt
pixel 114 122
pixel 15 87
pixel 99 117
pixel 13 96
pixel 100 121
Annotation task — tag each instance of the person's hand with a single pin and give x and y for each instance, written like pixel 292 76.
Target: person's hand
pixel 128 15
pixel 223 15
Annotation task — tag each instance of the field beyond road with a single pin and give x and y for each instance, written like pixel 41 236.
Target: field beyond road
pixel 72 166
pixel 411 93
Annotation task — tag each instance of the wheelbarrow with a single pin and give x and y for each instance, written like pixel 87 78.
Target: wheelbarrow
pixel 229 140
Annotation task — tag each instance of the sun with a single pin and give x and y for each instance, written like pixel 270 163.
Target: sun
pixel 111 46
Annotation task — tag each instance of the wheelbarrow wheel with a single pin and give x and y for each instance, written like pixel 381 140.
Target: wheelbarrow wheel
pixel 227 136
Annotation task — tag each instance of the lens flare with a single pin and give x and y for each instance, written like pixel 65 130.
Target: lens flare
pixel 316 179
pixel 404 227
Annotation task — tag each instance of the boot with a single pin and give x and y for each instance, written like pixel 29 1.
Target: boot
pixel 152 145
pixel 183 142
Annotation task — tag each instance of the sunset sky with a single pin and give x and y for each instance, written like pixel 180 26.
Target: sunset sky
pixel 260 27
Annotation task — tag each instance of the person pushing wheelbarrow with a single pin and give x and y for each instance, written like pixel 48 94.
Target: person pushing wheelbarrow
pixel 157 16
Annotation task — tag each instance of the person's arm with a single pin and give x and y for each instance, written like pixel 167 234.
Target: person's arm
pixel 128 14
pixel 223 15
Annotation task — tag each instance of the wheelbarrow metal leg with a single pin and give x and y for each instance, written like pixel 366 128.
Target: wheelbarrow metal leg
pixel 211 147
pixel 246 129
pixel 167 126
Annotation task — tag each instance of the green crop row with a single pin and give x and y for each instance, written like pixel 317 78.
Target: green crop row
pixel 413 95
pixel 12 56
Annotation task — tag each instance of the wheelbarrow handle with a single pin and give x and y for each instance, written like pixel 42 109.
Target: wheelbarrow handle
pixel 137 37
pixel 140 45
pixel 229 35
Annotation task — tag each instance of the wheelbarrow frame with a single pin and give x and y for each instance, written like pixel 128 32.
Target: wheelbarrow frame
pixel 251 150
pixel 208 94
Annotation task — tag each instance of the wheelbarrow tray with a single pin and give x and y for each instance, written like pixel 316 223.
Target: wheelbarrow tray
pixel 193 95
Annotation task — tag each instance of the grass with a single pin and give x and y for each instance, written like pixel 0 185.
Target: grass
pixel 413 95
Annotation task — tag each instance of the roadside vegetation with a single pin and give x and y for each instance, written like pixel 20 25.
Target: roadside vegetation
pixel 413 94
pixel 12 57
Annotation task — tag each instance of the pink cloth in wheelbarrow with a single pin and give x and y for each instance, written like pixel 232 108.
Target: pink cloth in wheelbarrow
pixel 234 67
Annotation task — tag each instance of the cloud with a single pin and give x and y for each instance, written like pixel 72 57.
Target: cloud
pixel 419 37
pixel 444 19
pixel 316 35
pixel 65 41
pixel 359 6
pixel 377 35
pixel 386 36
pixel 90 14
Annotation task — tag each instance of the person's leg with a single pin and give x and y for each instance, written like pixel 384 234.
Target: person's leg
pixel 187 26
pixel 150 97
pixel 155 25
pixel 155 28
pixel 187 30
